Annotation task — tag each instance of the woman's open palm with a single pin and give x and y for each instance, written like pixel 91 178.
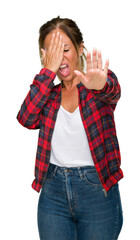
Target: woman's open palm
pixel 95 77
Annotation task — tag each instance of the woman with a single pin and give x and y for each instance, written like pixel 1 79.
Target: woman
pixel 78 156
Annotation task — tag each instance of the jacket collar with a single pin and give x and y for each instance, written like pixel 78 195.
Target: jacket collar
pixel 56 94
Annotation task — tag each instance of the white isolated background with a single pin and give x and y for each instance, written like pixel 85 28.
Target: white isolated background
pixel 111 26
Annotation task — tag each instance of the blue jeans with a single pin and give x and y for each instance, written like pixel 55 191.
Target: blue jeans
pixel 74 206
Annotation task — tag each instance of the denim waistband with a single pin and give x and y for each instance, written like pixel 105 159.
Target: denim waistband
pixel 64 170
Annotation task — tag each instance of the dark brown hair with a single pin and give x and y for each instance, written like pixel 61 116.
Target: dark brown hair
pixel 69 27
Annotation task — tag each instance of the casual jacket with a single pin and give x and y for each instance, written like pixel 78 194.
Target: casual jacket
pixel 39 111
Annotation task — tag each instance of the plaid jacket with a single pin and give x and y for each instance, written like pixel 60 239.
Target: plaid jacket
pixel 39 111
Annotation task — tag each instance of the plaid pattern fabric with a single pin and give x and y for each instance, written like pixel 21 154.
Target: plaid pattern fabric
pixel 39 111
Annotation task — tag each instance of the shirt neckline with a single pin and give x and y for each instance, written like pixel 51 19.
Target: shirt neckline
pixel 68 111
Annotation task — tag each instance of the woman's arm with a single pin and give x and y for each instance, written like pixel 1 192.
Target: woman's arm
pixel 29 114
pixel 102 82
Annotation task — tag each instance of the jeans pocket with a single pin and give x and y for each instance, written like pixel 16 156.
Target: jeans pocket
pixel 91 177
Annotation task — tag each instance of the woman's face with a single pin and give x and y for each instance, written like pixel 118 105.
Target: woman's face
pixel 70 58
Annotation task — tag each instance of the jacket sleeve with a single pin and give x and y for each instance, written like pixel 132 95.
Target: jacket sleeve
pixel 29 114
pixel 111 92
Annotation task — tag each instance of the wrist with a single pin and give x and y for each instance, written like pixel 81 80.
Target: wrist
pixel 46 69
pixel 51 69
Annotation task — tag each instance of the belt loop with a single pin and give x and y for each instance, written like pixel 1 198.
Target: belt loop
pixel 55 169
pixel 80 173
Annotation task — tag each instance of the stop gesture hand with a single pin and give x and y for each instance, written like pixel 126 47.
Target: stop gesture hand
pixel 95 77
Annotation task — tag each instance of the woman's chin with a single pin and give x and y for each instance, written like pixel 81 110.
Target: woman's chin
pixel 65 78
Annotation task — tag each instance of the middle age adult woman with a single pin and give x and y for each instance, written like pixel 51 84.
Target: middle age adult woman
pixel 78 157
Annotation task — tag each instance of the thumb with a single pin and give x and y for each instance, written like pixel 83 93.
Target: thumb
pixel 80 75
pixel 43 52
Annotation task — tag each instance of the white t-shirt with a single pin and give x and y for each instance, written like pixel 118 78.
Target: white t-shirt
pixel 69 144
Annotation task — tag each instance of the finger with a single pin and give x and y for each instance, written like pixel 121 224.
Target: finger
pixel 89 63
pixel 61 45
pixel 61 50
pixel 56 41
pixel 106 66
pixel 99 60
pixel 51 42
pixel 57 45
pixel 94 58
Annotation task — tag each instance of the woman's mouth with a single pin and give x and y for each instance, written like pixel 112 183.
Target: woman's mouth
pixel 64 70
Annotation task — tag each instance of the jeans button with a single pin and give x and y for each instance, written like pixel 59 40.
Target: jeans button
pixel 68 170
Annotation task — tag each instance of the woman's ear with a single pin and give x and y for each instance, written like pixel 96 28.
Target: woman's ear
pixel 81 49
